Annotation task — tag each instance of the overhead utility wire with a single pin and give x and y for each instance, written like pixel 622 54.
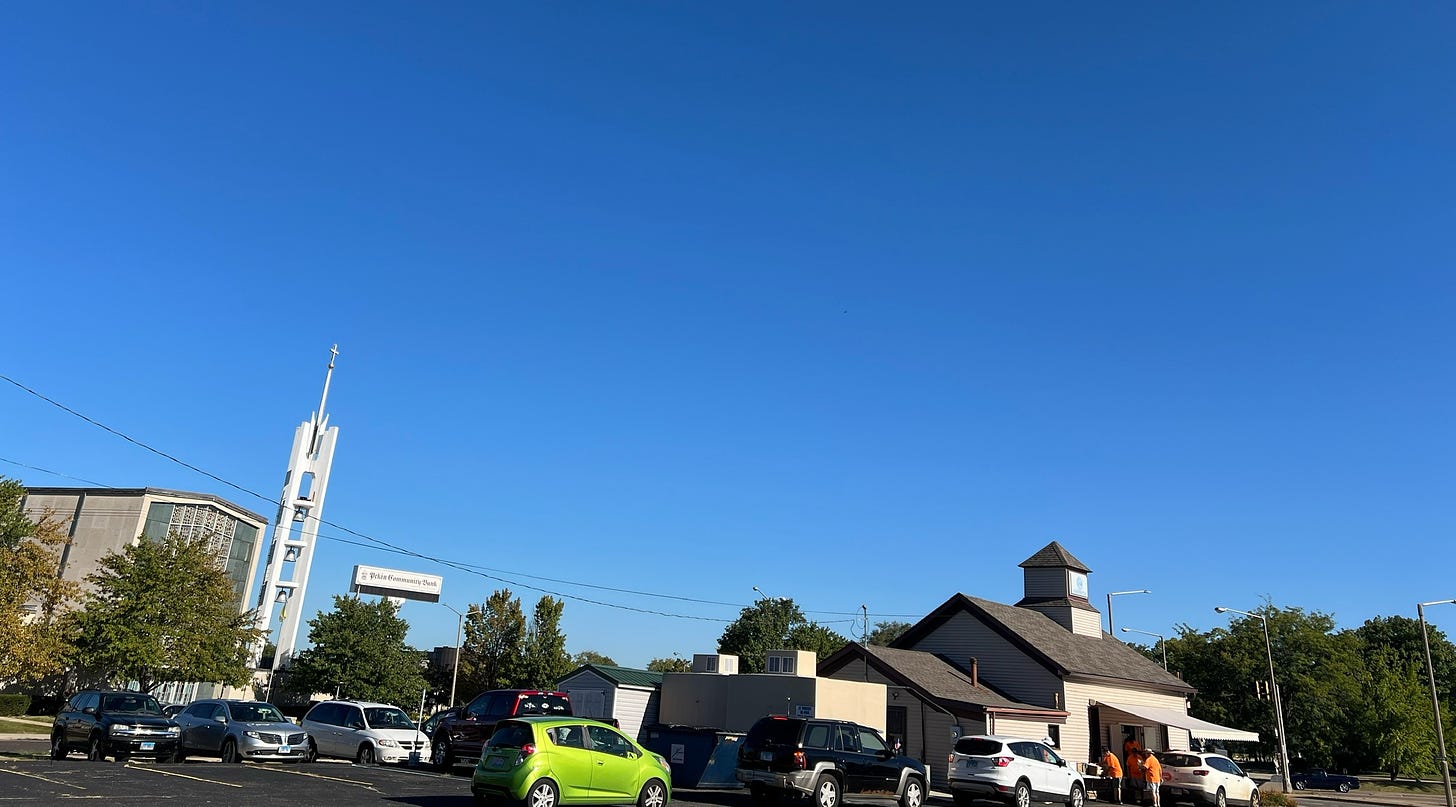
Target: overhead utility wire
pixel 479 571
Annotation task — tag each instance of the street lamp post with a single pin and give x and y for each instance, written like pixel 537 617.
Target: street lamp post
pixel 1162 643
pixel 455 668
pixel 1274 690
pixel 1110 627
pixel 1435 701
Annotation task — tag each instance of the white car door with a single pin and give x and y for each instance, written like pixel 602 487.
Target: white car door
pixel 1059 774
pixel 1031 763
pixel 1237 786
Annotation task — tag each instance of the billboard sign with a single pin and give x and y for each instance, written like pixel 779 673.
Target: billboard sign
pixel 395 583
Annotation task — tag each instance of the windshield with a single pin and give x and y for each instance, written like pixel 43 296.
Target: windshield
pixel 134 703
pixel 256 713
pixel 387 717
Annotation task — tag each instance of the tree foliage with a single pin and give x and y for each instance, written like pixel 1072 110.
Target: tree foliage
pixel 163 611
pixel 670 664
pixel 886 632
pixel 359 650
pixel 545 660
pixel 775 624
pixel 592 657
pixel 495 635
pixel 33 642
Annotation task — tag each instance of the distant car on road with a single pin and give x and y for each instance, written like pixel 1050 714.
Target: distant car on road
pixel 115 724
pixel 1320 779
pixel 238 730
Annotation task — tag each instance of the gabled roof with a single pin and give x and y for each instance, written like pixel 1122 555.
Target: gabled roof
pixel 1057 556
pixel 621 676
pixel 933 678
pixel 1049 644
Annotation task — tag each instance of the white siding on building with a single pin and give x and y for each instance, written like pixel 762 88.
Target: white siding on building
pixel 1077 744
pixel 632 705
pixel 1086 623
pixel 1000 663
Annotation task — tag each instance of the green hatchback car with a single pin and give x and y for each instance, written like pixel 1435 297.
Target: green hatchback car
pixel 551 761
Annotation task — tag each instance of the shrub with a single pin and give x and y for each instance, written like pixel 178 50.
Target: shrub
pixel 14 705
pixel 1276 798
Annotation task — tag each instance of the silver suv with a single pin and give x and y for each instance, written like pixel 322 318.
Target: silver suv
pixel 364 732
pixel 238 730
pixel 1015 770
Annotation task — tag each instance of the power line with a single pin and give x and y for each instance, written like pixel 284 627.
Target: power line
pixel 382 545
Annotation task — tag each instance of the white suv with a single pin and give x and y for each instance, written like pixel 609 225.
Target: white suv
pixel 364 732
pixel 1210 778
pixel 1012 769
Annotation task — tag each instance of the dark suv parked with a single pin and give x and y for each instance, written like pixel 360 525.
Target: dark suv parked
pixel 116 724
pixel 828 760
pixel 462 735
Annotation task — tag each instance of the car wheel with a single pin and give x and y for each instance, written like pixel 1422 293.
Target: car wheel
pixel 441 755
pixel 1343 787
pixel 1076 798
pixel 1300 785
pixel 1220 799
pixel 58 747
pixel 230 753
pixel 542 794
pixel 826 791
pixel 1021 796
pixel 365 755
pixel 310 751
pixel 914 795
pixel 654 794
pixel 1254 798
pixel 180 755
pixel 95 751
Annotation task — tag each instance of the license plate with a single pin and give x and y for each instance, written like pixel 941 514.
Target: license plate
pixel 285 749
pixel 149 746
pixel 766 756
pixel 495 763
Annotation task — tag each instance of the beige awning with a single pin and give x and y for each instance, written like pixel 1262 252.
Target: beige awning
pixel 1202 729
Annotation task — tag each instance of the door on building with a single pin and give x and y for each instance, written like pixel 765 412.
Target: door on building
pixel 896 726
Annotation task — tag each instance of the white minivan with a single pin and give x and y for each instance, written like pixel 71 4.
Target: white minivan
pixel 364 732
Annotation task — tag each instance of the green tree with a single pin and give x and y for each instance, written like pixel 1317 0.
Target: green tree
pixel 774 624
pixel 592 657
pixel 33 641
pixel 886 632
pixel 164 611
pixel 495 637
pixel 1396 724
pixel 545 660
pixel 358 649
pixel 670 664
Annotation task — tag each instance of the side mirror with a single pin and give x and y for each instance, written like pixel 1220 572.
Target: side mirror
pixel 89 710
pixel 1061 763
pixel 220 719
pixel 886 753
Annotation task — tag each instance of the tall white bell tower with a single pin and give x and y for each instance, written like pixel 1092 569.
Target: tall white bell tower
pixel 295 531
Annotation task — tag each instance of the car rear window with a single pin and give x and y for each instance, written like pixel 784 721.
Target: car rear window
pixel 1180 760
pixel 511 735
pixel 543 704
pixel 978 746
pixel 774 731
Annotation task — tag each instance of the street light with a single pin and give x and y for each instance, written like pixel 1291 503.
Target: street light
pixel 1112 594
pixel 1436 703
pixel 459 625
pixel 1274 690
pixel 1162 642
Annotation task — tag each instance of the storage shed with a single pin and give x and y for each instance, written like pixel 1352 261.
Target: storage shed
pixel 629 696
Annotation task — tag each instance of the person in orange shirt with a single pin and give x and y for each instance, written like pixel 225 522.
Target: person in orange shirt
pixel 1153 775
pixel 1133 772
pixel 1112 769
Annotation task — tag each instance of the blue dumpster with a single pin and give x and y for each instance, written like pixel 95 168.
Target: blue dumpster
pixel 698 756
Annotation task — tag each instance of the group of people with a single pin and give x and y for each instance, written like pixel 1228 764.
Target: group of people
pixel 1143 776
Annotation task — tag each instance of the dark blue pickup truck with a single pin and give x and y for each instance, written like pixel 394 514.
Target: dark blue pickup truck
pixel 1323 780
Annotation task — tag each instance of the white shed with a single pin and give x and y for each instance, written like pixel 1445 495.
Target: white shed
pixel 630 696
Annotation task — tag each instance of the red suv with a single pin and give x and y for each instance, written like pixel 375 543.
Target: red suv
pixel 461 736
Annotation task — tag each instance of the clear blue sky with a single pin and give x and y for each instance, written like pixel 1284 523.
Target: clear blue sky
pixel 857 304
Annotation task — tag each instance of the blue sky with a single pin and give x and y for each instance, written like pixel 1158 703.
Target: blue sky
pixel 857 304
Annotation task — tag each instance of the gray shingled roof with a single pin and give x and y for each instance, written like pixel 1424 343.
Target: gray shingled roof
pixel 1055 555
pixel 944 681
pixel 1053 645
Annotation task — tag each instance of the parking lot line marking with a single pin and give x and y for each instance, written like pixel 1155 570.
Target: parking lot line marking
pixel 42 778
pixel 368 785
pixel 183 776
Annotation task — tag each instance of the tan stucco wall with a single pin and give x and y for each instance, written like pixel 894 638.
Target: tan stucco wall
pixel 734 702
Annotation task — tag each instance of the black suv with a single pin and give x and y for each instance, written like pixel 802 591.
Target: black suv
pixel 461 736
pixel 827 760
pixel 116 724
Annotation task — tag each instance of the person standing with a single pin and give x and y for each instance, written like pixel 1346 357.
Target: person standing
pixel 1153 775
pixel 1132 772
pixel 1111 769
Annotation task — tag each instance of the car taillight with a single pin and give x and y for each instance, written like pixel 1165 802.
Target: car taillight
pixel 799 762
pixel 1001 762
pixel 950 758
pixel 527 750
pixel 1202 772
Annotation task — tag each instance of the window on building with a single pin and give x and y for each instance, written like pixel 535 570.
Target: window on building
pixel 1054 731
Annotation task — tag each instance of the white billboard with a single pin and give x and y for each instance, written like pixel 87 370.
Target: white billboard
pixel 395 583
